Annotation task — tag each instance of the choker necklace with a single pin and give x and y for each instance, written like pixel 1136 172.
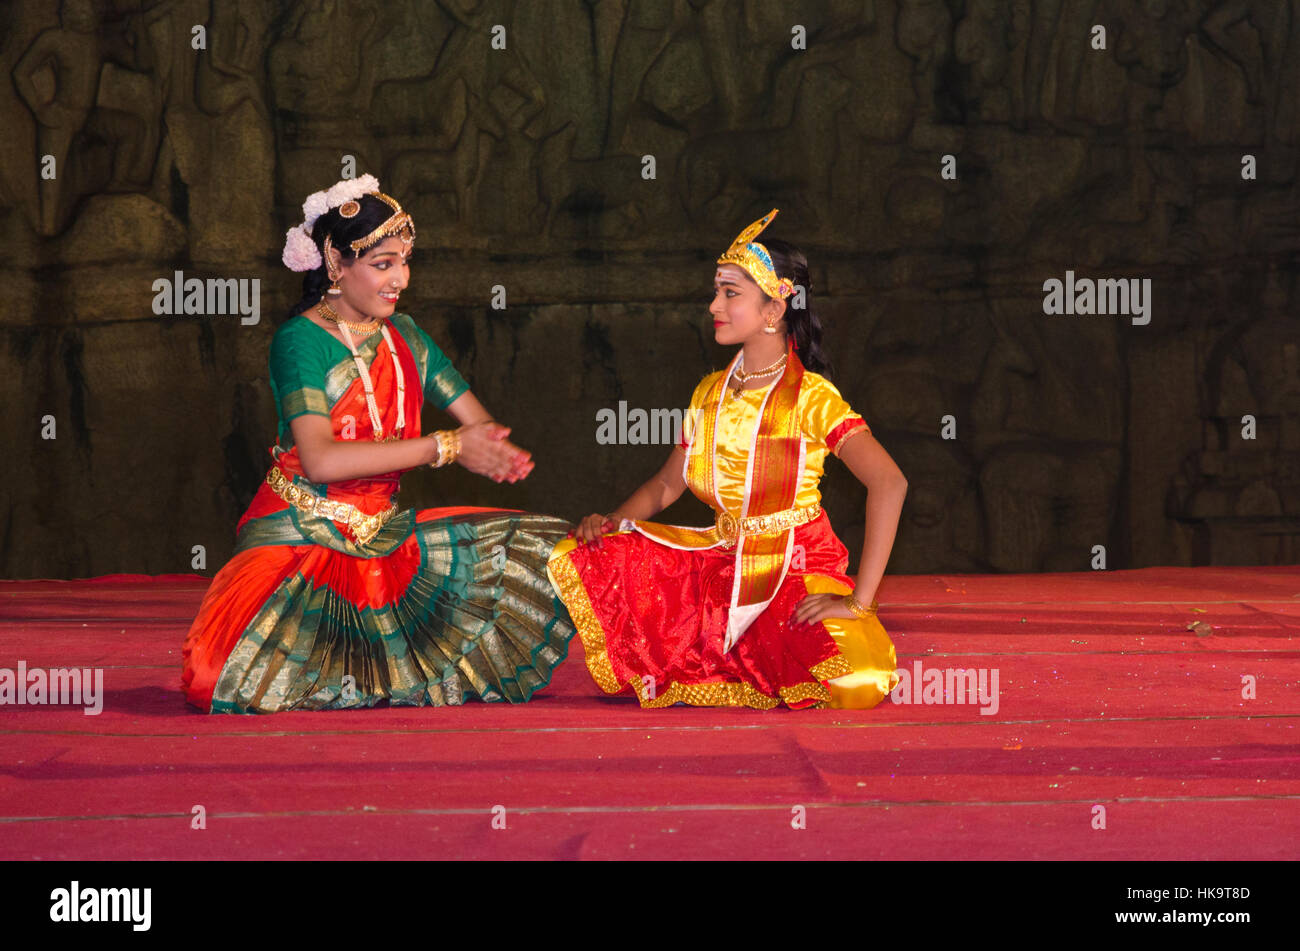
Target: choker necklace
pixel 740 377
pixel 329 314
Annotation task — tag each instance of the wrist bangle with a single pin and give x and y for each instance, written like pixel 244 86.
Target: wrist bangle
pixel 858 610
pixel 448 447
pixel 453 447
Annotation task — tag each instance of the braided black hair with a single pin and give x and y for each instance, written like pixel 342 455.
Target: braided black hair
pixel 805 326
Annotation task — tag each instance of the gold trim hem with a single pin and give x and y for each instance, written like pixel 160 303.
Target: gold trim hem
pixel 731 693
pixel 565 579
pixel 831 667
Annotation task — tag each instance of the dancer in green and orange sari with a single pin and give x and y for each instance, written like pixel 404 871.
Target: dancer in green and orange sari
pixel 335 598
pixel 757 609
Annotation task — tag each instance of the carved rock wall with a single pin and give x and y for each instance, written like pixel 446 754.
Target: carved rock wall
pixel 523 167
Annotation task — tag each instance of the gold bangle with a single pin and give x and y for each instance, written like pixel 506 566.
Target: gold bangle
pixel 858 610
pixel 448 447
pixel 455 446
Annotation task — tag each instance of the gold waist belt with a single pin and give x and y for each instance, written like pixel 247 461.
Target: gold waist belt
pixel 364 527
pixel 732 529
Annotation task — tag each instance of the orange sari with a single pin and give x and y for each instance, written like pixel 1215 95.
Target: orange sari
pixel 437 606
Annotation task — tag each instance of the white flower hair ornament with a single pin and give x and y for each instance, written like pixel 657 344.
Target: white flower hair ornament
pixel 300 251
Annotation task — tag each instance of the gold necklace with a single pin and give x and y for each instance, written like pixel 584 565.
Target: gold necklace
pixel 366 383
pixel 740 377
pixel 328 313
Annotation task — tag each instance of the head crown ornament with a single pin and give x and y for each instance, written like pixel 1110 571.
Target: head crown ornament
pixel 300 251
pixel 747 253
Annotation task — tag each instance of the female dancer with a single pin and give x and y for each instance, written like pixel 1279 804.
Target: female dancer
pixel 335 598
pixel 755 610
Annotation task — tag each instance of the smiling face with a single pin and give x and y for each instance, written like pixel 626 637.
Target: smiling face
pixel 740 309
pixel 372 281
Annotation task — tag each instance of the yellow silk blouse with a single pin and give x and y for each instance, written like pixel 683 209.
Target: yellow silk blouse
pixel 821 410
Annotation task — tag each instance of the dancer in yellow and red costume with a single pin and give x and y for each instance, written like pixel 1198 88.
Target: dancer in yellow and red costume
pixel 757 609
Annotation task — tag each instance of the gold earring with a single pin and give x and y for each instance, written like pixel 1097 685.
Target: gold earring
pixel 334 289
pixel 770 328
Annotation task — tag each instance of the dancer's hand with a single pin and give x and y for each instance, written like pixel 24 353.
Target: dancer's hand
pixel 591 528
pixel 816 607
pixel 484 449
pixel 522 463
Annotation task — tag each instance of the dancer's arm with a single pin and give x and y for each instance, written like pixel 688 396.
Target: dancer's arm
pixel 663 489
pixel 446 389
pixel 325 459
pixel 886 488
pixel 469 411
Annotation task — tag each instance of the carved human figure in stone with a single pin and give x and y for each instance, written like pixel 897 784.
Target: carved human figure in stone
pixel 57 78
pixel 1262 37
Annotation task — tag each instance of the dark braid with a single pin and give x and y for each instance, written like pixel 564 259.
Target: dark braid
pixel 803 322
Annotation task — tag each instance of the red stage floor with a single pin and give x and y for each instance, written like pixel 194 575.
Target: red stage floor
pixel 1122 690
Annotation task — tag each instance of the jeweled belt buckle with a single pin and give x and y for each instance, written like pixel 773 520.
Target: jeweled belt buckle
pixel 366 527
pixel 729 528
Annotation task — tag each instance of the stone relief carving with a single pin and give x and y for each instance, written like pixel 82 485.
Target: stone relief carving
pixel 523 166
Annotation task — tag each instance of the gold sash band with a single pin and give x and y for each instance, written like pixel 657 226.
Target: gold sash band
pixel 732 529
pixel 364 527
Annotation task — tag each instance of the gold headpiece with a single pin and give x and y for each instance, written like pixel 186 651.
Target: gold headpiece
pixel 755 259
pixel 399 224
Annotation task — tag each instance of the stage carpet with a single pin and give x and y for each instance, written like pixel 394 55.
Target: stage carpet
pixel 1150 714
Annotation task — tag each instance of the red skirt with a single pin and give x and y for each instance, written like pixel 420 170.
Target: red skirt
pixel 653 620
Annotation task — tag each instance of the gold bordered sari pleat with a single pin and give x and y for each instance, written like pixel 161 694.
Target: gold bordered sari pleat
pixel 774 471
